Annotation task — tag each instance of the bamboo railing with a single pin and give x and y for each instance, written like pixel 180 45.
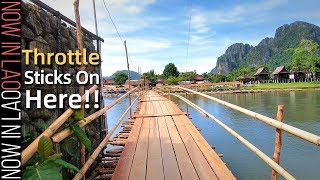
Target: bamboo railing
pixel 58 137
pixel 29 151
pixel 272 122
pixel 254 149
pixel 102 145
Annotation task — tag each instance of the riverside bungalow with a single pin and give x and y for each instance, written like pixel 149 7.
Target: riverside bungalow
pixel 261 75
pixel 199 79
pixel 280 75
pixel 136 83
pixel 109 82
pixel 298 76
pixel 159 82
pixel 245 79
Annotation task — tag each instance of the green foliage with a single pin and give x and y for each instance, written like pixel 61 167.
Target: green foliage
pixel 173 80
pixel 70 146
pixel 170 70
pixel 49 165
pixel 188 76
pixel 305 56
pixel 205 75
pixel 81 135
pixel 150 76
pixel 40 126
pixel 120 78
pixel 217 78
pixel 246 71
pixel 78 114
pixel 45 147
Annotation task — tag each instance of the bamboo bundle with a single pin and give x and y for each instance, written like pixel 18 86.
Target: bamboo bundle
pixel 104 177
pixel 117 143
pixel 254 149
pixel 67 132
pixel 108 164
pixel 29 151
pixel 272 122
pixel 115 150
pixel 114 155
pixel 113 161
pixel 110 158
pixel 101 146
pixel 105 171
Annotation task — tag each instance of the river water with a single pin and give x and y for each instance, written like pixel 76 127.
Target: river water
pixel 298 157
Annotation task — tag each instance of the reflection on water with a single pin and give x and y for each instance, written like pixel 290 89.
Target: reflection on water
pixel 114 113
pixel 302 110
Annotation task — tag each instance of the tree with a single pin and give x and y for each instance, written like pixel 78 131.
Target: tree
pixel 173 80
pixel 188 76
pixel 170 70
pixel 150 76
pixel 306 57
pixel 120 78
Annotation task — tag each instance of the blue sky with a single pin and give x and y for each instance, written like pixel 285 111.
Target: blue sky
pixel 157 31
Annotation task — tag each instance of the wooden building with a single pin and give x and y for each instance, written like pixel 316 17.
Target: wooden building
pixel 298 76
pixel 261 75
pixel 245 79
pixel 199 79
pixel 141 83
pixel 280 75
pixel 159 82
pixel 109 82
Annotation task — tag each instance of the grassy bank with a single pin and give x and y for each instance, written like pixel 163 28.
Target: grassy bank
pixel 299 85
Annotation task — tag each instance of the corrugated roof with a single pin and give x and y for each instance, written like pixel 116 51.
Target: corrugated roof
pixel 279 70
pixel 259 71
pixel 199 78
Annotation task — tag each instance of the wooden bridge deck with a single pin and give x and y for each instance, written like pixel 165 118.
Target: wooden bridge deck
pixel 164 144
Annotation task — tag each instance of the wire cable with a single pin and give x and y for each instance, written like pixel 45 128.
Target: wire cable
pixel 189 29
pixel 120 37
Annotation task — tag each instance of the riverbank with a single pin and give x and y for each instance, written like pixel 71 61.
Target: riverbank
pixel 283 86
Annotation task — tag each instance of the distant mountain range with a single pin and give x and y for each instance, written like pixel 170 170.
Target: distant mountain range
pixel 133 75
pixel 271 51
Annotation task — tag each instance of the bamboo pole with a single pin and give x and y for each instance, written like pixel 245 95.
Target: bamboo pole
pixel 58 137
pixel 104 142
pixel 187 104
pixel 129 79
pixel 245 142
pixel 82 68
pixel 29 151
pixel 278 142
pixel 272 122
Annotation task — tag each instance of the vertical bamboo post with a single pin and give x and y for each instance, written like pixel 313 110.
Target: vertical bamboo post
pixel 129 79
pixel 187 104
pixel 278 142
pixel 82 68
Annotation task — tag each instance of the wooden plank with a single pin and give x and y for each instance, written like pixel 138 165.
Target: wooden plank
pixel 185 165
pixel 139 165
pixel 212 157
pixel 200 163
pixel 123 167
pixel 170 166
pixel 154 163
pixel 159 115
pixel 122 170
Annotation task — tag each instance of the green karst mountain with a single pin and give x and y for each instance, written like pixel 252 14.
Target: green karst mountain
pixel 270 51
pixel 133 75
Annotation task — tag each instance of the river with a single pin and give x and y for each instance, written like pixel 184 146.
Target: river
pixel 298 157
